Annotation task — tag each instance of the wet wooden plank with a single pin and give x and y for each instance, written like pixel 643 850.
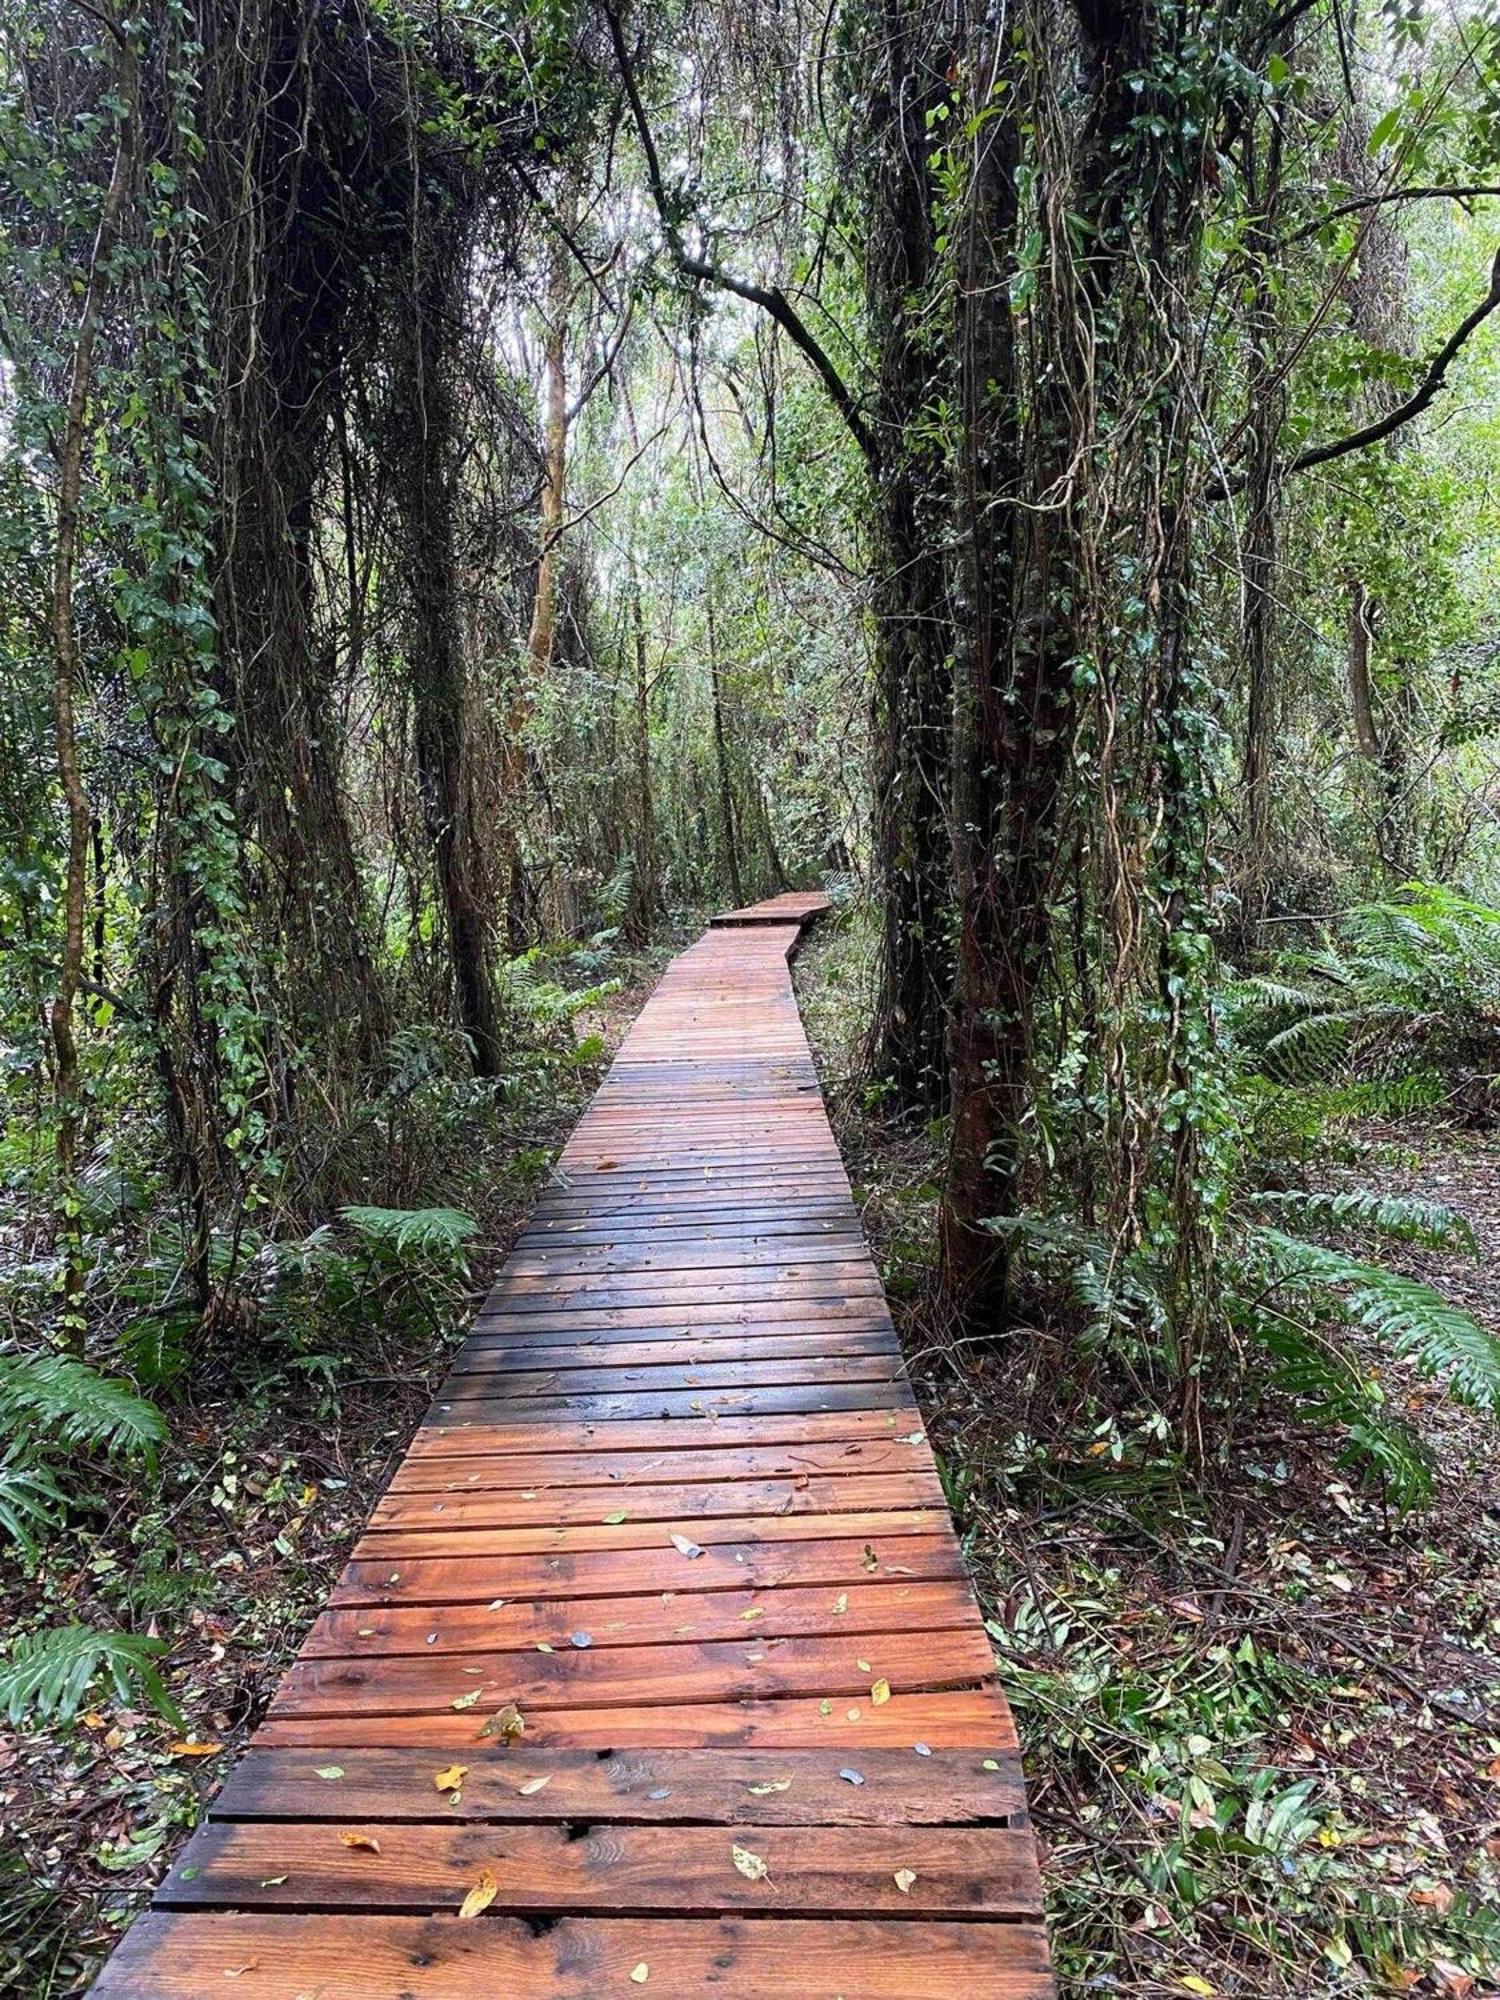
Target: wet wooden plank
pixel 608 1868
pixel 186 1957
pixel 778 1788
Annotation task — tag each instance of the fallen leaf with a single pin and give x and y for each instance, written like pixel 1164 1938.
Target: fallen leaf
pixel 880 1693
pixel 1196 1985
pixel 751 1866
pixel 640 1973
pixel 684 1547
pixel 452 1778
pixel 904 1879
pixel 841 1602
pixel 922 1749
pixel 863 1665
pixel 329 1771
pixel 275 1881
pixel 351 1839
pixel 508 1724
pixel 772 1785
pixel 480 1896
pixel 755 1611
pixel 196 1749
pixel 533 1785
pixel 542 1646
pixel 239 1971
pixel 616 1519
pixel 869 1560
pixel 852 1777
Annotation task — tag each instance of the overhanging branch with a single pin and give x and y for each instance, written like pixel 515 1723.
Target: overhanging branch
pixel 1433 381
pixel 770 299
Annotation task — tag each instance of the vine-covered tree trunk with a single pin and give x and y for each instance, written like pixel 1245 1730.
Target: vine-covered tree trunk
pixel 66 1081
pixel 444 713
pixel 913 674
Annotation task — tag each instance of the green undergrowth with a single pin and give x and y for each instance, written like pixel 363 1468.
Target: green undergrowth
pixel 1256 1690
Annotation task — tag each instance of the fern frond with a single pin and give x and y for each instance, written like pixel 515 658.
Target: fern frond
pixel 76 1405
pixel 48 1674
pixel 1409 1317
pixel 1403 1217
pixel 30 1499
pixel 1331 1390
pixel 412 1231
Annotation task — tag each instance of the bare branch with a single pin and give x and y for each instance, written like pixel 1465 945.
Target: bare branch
pixel 770 299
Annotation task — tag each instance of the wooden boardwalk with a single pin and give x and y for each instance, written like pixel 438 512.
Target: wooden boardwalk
pixel 660 1646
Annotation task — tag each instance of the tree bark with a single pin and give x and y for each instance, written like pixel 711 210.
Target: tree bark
pixel 65 682
pixel 913 689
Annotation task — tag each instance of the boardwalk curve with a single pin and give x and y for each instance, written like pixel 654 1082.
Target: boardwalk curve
pixel 660 1646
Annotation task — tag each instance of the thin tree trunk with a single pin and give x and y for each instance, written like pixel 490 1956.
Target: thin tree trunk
pixel 721 764
pixel 65 681
pixel 1266 405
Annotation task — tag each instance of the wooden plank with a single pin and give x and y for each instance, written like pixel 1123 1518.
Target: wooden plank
pixel 675 1520
pixel 521 1624
pixel 168 1957
pixel 609 1869
pixel 803 1494
pixel 948 1720
pixel 786 1788
pixel 602 1675
pixel 730 1565
pixel 392 1545
pixel 674 1466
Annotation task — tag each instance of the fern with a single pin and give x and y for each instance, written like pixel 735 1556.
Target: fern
pixel 413 1232
pixel 48 1673
pixel 1331 1389
pixel 77 1406
pixel 30 1499
pixel 1409 1317
pixel 1404 1218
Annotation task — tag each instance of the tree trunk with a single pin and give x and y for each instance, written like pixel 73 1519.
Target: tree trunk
pixel 64 689
pixel 427 494
pixel 913 677
pixel 721 765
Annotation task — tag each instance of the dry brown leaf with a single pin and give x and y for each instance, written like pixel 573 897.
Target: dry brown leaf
pixel 351 1839
pixel 479 1898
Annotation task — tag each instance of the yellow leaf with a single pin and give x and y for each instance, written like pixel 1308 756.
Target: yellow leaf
pixel 752 1866
pixel 361 1840
pixel 196 1749
pixel 880 1693
pixel 467 1700
pixel 1196 1985
pixel 452 1778
pixel 508 1725
pixel 480 1896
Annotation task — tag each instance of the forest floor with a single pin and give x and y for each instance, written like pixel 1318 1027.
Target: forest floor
pixel 1260 1717
pixel 229 1552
